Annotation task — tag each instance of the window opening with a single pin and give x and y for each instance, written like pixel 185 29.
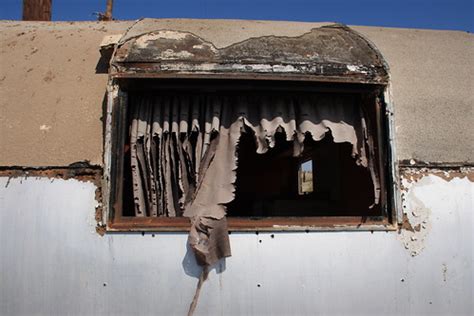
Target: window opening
pixel 273 184
pixel 208 158
pixel 305 177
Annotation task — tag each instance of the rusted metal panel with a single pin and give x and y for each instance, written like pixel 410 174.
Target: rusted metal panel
pixel 330 53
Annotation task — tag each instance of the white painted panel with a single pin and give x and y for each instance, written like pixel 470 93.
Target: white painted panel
pixel 52 262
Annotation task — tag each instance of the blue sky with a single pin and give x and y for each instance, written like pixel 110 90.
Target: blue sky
pixel 432 14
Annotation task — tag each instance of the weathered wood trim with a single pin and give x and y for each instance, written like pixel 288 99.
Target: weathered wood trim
pixel 349 223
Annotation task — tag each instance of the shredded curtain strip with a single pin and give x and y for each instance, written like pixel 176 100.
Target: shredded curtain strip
pixel 183 151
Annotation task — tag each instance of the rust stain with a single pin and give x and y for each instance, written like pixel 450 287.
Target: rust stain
pixel 101 229
pixel 413 175
pixel 406 225
pixel 448 176
pixel 85 174
pixel 416 223
pixel 100 225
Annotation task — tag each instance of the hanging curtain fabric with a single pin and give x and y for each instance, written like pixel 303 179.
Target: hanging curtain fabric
pixel 183 151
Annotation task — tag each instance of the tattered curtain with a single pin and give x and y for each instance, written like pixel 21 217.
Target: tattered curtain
pixel 183 151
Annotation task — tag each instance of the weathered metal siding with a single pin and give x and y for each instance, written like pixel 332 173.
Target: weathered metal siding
pixel 52 261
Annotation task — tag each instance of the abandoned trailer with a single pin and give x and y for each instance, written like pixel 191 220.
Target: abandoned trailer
pixel 240 167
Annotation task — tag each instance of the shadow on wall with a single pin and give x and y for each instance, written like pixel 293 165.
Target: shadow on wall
pixel 102 66
pixel 193 269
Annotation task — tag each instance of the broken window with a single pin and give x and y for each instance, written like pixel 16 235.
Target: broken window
pixel 270 133
pixel 247 156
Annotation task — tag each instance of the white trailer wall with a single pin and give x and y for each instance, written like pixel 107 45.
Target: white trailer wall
pixel 53 262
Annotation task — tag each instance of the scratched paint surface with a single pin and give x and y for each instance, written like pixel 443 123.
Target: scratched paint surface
pixel 52 262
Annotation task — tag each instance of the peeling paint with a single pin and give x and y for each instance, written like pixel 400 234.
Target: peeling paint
pixel 332 51
pixel 416 224
pixel 170 54
pixel 415 174
pixel 355 68
pixel 166 45
pixel 165 34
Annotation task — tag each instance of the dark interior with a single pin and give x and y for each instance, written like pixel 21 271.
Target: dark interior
pixel 267 184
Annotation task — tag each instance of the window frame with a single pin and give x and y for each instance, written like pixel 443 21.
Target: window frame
pixel 115 133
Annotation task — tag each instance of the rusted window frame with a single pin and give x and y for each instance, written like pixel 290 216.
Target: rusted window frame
pixel 117 102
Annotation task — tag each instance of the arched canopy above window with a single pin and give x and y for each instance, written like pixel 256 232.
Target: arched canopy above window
pixel 331 53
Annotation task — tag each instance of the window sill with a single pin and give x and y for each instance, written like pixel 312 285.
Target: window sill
pixel 272 224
